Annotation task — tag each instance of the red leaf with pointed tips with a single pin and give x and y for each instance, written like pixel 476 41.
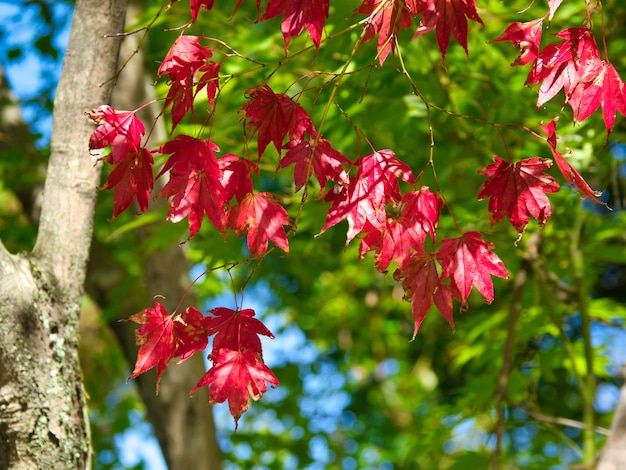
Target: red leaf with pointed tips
pixel 184 57
pixel 191 329
pixel 298 15
pixel 525 35
pixel 238 370
pixel 469 260
pixel 449 17
pixel 518 190
pixel 236 376
pixel 600 87
pixel 262 219
pixel 156 340
pixel 422 285
pixel 194 183
pixel 236 175
pixel 275 116
pixel 364 197
pixel 237 329
pixel 320 158
pixel 112 125
pixel 554 4
pixel 386 18
pixel 570 174
pixel 130 178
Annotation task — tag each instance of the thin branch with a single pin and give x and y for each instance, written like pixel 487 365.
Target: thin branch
pixel 557 419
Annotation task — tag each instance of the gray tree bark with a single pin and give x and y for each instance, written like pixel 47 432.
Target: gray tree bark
pixel 43 417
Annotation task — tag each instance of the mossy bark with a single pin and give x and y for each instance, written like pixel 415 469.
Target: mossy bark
pixel 43 417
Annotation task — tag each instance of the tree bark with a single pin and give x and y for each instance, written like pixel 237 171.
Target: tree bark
pixel 613 455
pixel 43 418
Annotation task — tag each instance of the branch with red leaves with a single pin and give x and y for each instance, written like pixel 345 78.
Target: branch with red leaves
pixel 377 194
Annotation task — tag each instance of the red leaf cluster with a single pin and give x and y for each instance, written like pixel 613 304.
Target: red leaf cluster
pixel 387 17
pixel 574 66
pixel 131 176
pixel 238 370
pixel 297 16
pixel 186 60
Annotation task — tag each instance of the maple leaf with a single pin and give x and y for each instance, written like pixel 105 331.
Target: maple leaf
pixel 518 190
pixel 469 260
pixel 156 340
pixel 274 116
pixel 600 87
pixel 236 376
pixel 423 286
pixel 449 17
pixel 112 125
pixel 405 232
pixel 238 371
pixel 395 242
pixel 525 35
pixel 320 157
pixel 194 183
pixel 422 208
pixel 236 329
pixel 297 15
pixel 364 198
pixel 570 174
pixel 262 219
pixel 184 57
pixel 563 66
pixel 209 79
pixel 191 331
pixel 385 19
pixel 236 176
pixel 195 6
pixel 131 176
pixel 180 95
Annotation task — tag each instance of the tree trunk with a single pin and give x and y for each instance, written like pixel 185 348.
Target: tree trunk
pixel 613 456
pixel 43 418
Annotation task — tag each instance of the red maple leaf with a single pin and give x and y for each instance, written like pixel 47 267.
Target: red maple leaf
pixel 364 198
pixel 112 125
pixel 422 208
pixel 450 18
pixel 405 232
pixel 297 15
pixel 601 86
pixel 396 242
pixel 274 116
pixel 238 370
pixel 209 79
pixel 236 329
pixel 320 157
pixel 570 174
pixel 156 340
pixel 385 19
pixel 191 329
pixel 518 190
pixel 469 260
pixel 262 219
pixel 236 175
pixel 423 286
pixel 130 178
pixel 236 376
pixel 185 56
pixel 194 183
pixel 525 35
pixel 563 66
